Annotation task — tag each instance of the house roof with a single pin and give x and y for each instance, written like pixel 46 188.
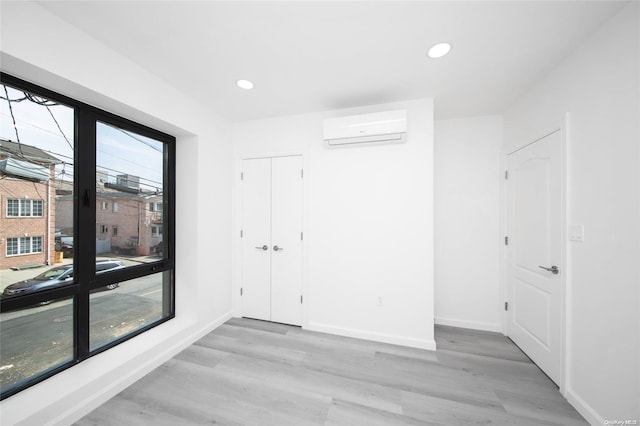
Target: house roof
pixel 26 152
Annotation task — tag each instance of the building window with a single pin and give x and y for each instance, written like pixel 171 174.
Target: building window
pixel 24 245
pixel 13 208
pixel 155 207
pixel 37 208
pixel 24 208
pixel 156 230
pixel 143 160
pixel 12 246
pixel 36 244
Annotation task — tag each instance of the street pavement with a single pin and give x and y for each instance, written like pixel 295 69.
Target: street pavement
pixel 9 276
pixel 36 339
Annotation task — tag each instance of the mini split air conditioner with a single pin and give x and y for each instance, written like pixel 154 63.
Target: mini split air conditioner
pixel 379 127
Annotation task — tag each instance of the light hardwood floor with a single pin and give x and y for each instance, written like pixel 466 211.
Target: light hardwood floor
pixel 250 372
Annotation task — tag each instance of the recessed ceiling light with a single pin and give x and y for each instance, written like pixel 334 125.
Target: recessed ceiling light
pixel 245 84
pixel 439 50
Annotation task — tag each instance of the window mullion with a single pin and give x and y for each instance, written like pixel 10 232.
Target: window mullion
pixel 85 217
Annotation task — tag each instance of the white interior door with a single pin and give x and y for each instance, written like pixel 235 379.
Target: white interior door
pixel 256 238
pixel 286 238
pixel 534 248
pixel 272 239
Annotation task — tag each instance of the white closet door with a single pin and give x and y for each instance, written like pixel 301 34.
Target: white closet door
pixel 256 241
pixel 286 242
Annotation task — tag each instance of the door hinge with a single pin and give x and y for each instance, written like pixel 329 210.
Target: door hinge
pixel 506 174
pixel 241 175
pixel 300 298
pixel 301 173
pixel 301 236
pixel 241 234
pixel 240 291
pixel 506 306
pixel 506 241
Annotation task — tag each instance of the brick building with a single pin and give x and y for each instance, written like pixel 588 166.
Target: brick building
pixel 27 205
pixel 128 220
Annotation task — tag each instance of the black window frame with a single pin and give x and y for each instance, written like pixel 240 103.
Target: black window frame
pixel 85 278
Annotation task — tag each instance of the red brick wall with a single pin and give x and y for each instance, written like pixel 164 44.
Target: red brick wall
pixel 132 218
pixel 11 227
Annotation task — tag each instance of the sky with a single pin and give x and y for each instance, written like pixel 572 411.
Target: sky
pixel 118 151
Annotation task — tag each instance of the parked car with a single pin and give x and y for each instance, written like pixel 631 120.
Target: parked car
pixel 159 249
pixel 57 277
pixel 65 245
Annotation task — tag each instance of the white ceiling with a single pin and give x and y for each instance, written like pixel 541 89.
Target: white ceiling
pixel 311 56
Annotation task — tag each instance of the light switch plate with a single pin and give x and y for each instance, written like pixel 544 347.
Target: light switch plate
pixel 576 233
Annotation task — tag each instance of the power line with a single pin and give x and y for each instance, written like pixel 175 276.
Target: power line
pixel 47 103
pixel 35 126
pixel 31 157
pixel 40 100
pixel 37 191
pixel 128 161
pixel 133 136
pixel 13 100
pixel 156 184
pixel 15 127
pixel 59 128
pixel 160 184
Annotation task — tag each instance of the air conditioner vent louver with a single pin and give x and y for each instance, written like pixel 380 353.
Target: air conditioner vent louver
pixel 379 128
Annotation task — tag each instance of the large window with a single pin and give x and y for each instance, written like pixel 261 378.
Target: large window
pixel 24 208
pixel 24 245
pixel 90 266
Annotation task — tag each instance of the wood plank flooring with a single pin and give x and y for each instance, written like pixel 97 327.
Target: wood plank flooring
pixel 250 372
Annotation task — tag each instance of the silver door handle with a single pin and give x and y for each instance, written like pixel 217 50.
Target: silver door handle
pixel 264 247
pixel 276 248
pixel 554 269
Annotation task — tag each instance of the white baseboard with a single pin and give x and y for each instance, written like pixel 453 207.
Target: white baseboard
pixel 474 325
pixel 94 400
pixel 429 345
pixel 584 409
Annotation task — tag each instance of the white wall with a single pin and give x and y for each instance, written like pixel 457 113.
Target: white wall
pixel 369 224
pixel 39 47
pixel 599 85
pixel 468 177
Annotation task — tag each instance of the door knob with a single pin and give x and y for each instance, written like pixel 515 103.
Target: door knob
pixel 276 248
pixel 264 247
pixel 554 269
